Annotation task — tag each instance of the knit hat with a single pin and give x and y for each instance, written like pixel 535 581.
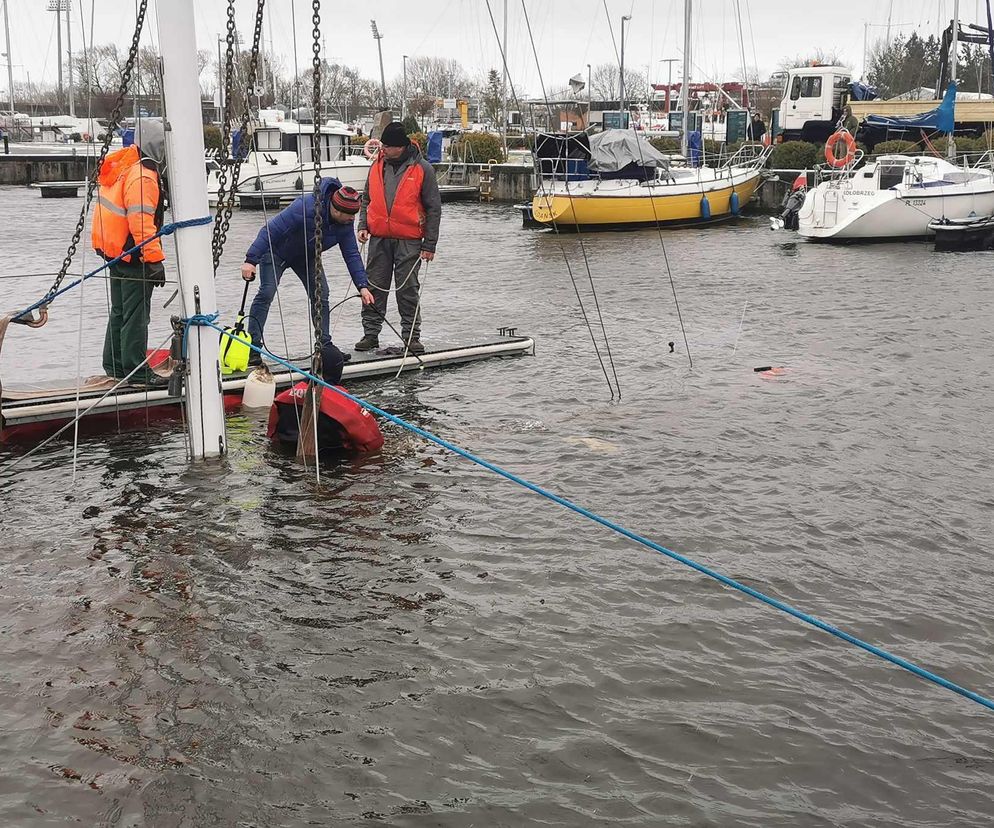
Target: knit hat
pixel 346 200
pixel 394 135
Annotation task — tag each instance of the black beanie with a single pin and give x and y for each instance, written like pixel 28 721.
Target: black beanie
pixel 394 135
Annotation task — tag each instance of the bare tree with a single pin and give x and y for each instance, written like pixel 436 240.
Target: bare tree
pixel 824 57
pixel 606 82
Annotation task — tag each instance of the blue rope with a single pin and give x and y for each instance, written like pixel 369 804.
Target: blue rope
pixel 662 550
pixel 206 320
pixel 167 230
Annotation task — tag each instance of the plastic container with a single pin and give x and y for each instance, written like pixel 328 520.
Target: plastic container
pixel 260 389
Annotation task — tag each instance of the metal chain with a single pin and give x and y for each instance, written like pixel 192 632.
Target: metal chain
pixel 224 160
pixel 112 124
pixel 316 158
pixel 226 201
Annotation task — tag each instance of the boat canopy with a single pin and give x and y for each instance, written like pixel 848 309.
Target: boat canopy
pixel 940 119
pixel 615 149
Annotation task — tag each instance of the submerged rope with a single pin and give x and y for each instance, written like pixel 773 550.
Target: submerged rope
pixel 896 660
pixel 167 230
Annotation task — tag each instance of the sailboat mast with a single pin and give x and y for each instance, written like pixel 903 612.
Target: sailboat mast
pixel 10 59
pixel 188 197
pixel 688 9
pixel 72 94
pixel 953 50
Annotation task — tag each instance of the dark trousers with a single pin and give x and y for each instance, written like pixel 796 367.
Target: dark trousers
pixel 270 271
pixel 126 339
pixel 397 261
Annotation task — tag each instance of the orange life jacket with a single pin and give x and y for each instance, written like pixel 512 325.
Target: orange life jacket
pixel 406 218
pixel 126 206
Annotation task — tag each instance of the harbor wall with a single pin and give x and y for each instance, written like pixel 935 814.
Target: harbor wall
pixel 42 169
pixel 511 183
pixel 508 182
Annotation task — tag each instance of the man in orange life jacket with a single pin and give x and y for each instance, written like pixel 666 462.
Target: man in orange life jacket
pixel 129 210
pixel 401 212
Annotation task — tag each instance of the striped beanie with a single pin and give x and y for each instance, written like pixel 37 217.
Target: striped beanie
pixel 346 200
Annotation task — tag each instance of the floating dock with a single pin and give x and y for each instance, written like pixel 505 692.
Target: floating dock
pixel 31 411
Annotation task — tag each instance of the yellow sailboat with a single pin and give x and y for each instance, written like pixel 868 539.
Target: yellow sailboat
pixel 625 182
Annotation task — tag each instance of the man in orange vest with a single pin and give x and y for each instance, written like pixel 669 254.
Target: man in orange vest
pixel 401 212
pixel 129 210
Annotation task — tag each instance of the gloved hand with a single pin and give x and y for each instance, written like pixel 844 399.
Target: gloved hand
pixel 155 272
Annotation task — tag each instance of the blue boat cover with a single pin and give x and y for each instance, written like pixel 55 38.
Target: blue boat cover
pixel 695 148
pixel 940 119
pixel 434 147
pixel 862 92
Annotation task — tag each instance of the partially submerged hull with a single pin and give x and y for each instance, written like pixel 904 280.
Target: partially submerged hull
pixel 31 412
pixel 627 203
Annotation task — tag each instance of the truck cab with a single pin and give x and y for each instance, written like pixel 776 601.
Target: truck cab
pixel 813 100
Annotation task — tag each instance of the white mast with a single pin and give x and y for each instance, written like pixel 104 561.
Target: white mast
pixel 10 60
pixel 685 86
pixel 72 94
pixel 188 196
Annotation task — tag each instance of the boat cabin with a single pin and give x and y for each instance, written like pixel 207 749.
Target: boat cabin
pixel 911 172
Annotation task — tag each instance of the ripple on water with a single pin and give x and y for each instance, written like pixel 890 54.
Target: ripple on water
pixel 415 642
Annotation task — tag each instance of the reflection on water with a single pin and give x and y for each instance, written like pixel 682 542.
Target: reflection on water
pixel 414 642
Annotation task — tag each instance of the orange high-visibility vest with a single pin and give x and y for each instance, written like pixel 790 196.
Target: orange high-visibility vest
pixel 406 218
pixel 126 205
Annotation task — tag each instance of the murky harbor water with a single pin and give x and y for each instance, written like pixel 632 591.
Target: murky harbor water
pixel 415 642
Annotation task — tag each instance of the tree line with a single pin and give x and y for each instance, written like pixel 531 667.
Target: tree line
pixel 345 92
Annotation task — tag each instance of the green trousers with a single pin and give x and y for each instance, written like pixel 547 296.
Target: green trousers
pixel 127 327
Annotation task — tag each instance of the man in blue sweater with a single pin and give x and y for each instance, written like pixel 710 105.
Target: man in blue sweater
pixel 287 241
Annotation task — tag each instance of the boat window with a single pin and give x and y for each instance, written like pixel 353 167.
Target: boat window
pixel 811 87
pixel 891 175
pixel 795 88
pixel 267 140
pixel 304 144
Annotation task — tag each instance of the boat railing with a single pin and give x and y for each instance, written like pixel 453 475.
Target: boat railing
pixel 838 175
pixel 751 156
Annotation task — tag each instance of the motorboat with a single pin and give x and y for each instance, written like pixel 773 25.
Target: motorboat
pixel 896 197
pixel 617 179
pixel 973 233
pixel 280 159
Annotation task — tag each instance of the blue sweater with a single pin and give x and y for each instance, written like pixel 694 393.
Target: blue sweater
pixel 291 234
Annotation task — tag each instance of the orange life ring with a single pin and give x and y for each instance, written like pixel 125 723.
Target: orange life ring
pixel 371 147
pixel 832 143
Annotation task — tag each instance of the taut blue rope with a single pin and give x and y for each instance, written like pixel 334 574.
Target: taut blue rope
pixel 205 320
pixel 662 550
pixel 167 230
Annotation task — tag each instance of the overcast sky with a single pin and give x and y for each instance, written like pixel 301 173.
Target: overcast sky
pixel 568 34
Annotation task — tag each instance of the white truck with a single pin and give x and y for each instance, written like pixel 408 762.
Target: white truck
pixel 814 98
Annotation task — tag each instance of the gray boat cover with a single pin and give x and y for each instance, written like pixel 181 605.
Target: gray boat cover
pixel 615 149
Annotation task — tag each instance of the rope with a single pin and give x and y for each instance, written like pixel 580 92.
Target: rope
pixel 167 230
pixel 198 320
pixel 784 607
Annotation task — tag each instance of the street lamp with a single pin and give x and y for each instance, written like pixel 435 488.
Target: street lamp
pixel 622 102
pixel 403 103
pixel 669 83
pixel 590 93
pixel 379 46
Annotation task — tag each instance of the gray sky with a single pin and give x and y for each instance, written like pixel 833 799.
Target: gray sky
pixel 569 34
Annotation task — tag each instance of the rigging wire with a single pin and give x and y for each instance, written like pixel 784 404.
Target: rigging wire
pixel 562 247
pixel 616 388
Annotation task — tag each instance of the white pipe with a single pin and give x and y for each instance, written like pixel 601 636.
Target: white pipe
pixel 188 198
